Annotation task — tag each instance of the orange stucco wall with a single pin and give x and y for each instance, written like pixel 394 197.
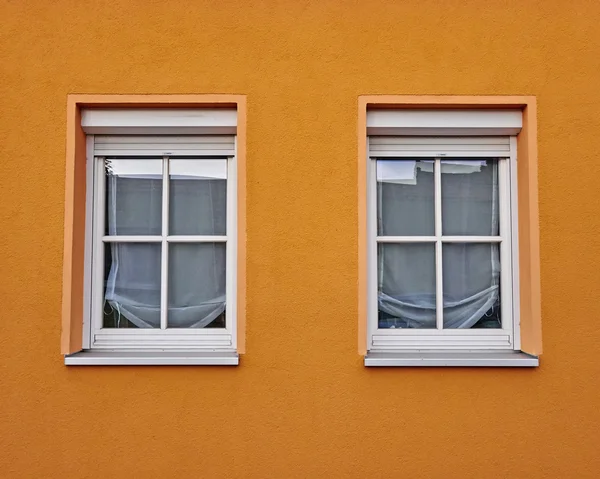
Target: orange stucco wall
pixel 300 404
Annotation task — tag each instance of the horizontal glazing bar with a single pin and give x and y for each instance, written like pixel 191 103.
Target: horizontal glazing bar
pixel 406 239
pixel 132 239
pixel 196 239
pixel 471 239
pixel 444 239
pixel 158 239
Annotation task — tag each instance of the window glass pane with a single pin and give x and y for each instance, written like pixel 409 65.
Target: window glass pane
pixel 406 285
pixel 197 197
pixel 132 285
pixel 470 197
pixel 405 205
pixel 133 196
pixel 471 285
pixel 196 285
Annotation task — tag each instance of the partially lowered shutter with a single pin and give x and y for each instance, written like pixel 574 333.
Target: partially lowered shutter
pixel 391 146
pixel 162 145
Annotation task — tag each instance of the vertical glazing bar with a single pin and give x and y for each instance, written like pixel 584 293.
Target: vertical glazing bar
pixel 164 258
pixel 439 279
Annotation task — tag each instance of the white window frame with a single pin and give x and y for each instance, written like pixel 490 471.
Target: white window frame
pixel 505 338
pixel 155 346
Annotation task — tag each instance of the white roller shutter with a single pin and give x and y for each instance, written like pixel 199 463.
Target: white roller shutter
pixel 161 145
pixel 463 122
pixel 426 146
pixel 180 121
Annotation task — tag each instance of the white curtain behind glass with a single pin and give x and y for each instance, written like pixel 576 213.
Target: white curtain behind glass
pixel 406 272
pixel 196 273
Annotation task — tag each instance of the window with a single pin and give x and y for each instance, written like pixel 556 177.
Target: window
pixel 161 237
pixel 163 242
pixel 442 235
pixel 442 244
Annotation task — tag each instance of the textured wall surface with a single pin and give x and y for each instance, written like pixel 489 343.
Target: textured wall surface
pixel 300 404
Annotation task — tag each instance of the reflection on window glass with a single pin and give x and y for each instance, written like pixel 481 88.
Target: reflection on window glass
pixel 471 283
pixel 405 197
pixel 470 204
pixel 133 196
pixel 196 285
pixel 197 197
pixel 406 285
pixel 132 285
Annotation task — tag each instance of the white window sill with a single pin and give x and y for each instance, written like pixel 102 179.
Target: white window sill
pixel 159 358
pixel 491 358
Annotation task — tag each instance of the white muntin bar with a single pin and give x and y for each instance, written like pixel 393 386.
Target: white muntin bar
pixel 471 239
pixel 164 258
pixel 196 239
pixel 132 239
pixel 439 279
pixel 169 238
pixel 406 239
pixel 444 239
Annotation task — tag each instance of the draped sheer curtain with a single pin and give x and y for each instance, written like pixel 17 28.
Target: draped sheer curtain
pixel 407 270
pixel 196 276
